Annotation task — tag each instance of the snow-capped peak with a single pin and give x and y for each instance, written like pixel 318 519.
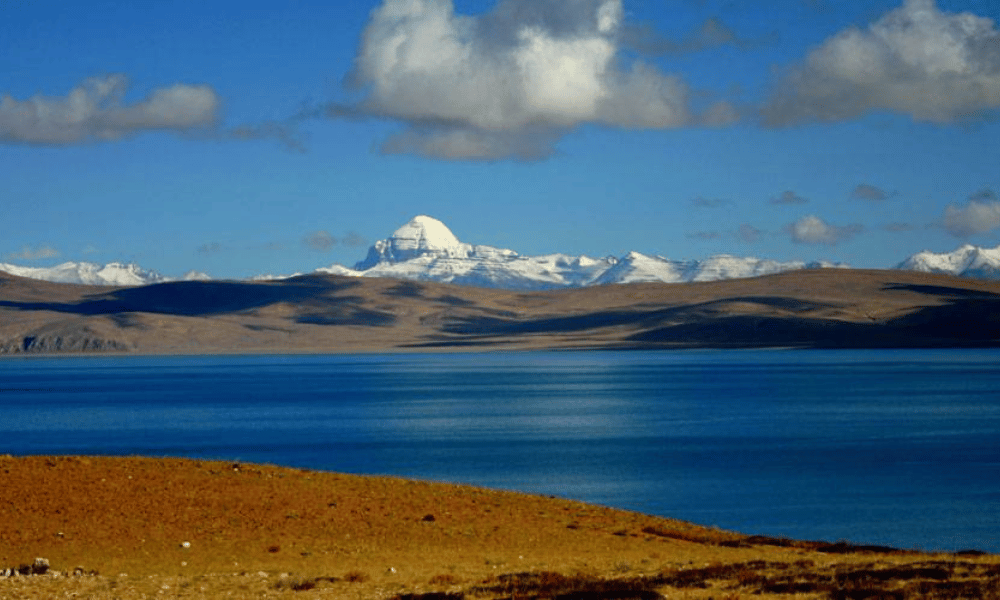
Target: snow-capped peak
pixel 425 249
pixel 422 236
pixel 425 233
pixel 965 261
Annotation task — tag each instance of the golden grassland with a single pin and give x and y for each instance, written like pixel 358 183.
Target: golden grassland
pixel 822 308
pixel 175 528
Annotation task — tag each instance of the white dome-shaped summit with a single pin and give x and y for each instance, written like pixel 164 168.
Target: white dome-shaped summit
pixel 423 236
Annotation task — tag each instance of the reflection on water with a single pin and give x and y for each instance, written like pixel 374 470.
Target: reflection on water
pixel 886 447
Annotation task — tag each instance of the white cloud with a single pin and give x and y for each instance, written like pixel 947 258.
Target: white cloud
pixel 979 215
pixel 96 110
pixel 29 253
pixel 917 60
pixel 813 230
pixel 511 82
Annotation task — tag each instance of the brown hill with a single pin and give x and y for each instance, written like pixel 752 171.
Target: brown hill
pixel 129 528
pixel 812 308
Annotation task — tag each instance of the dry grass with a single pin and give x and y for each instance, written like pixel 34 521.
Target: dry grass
pixel 811 308
pixel 269 532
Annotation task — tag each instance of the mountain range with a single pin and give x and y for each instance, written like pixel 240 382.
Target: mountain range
pixel 424 249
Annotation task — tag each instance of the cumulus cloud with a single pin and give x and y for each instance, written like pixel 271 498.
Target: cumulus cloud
pixel 980 214
pixel 813 230
pixel 96 110
pixel 509 83
pixel 320 241
pixel 789 197
pixel 29 253
pixel 935 66
pixel 871 193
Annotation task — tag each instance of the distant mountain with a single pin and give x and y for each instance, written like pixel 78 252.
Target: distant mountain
pixel 638 268
pixel 426 250
pixel 967 261
pixel 89 273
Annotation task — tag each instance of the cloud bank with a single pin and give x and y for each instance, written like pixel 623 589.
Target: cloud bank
pixel 510 83
pixel 95 110
pixel 979 215
pixel 917 60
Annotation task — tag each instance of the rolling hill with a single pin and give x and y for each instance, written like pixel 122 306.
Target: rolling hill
pixel 825 308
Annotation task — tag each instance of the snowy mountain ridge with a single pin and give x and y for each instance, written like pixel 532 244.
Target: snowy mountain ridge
pixel 966 261
pixel 424 249
pixel 114 274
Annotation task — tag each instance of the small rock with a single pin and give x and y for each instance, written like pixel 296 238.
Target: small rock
pixel 40 566
pixel 185 544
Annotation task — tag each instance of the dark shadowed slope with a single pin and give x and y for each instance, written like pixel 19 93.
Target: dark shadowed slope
pixel 323 313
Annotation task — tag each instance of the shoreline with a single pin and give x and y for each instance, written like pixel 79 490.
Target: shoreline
pixel 208 528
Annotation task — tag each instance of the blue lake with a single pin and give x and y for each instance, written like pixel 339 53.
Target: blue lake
pixel 899 448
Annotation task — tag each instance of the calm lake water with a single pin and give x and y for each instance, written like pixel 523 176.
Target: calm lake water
pixel 900 448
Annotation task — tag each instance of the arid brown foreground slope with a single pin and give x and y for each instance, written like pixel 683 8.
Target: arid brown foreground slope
pixel 829 308
pixel 141 528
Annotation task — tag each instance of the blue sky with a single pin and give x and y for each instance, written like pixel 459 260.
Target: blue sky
pixel 239 138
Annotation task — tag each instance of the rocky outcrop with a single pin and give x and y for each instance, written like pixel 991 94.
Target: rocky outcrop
pixel 41 567
pixel 59 343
